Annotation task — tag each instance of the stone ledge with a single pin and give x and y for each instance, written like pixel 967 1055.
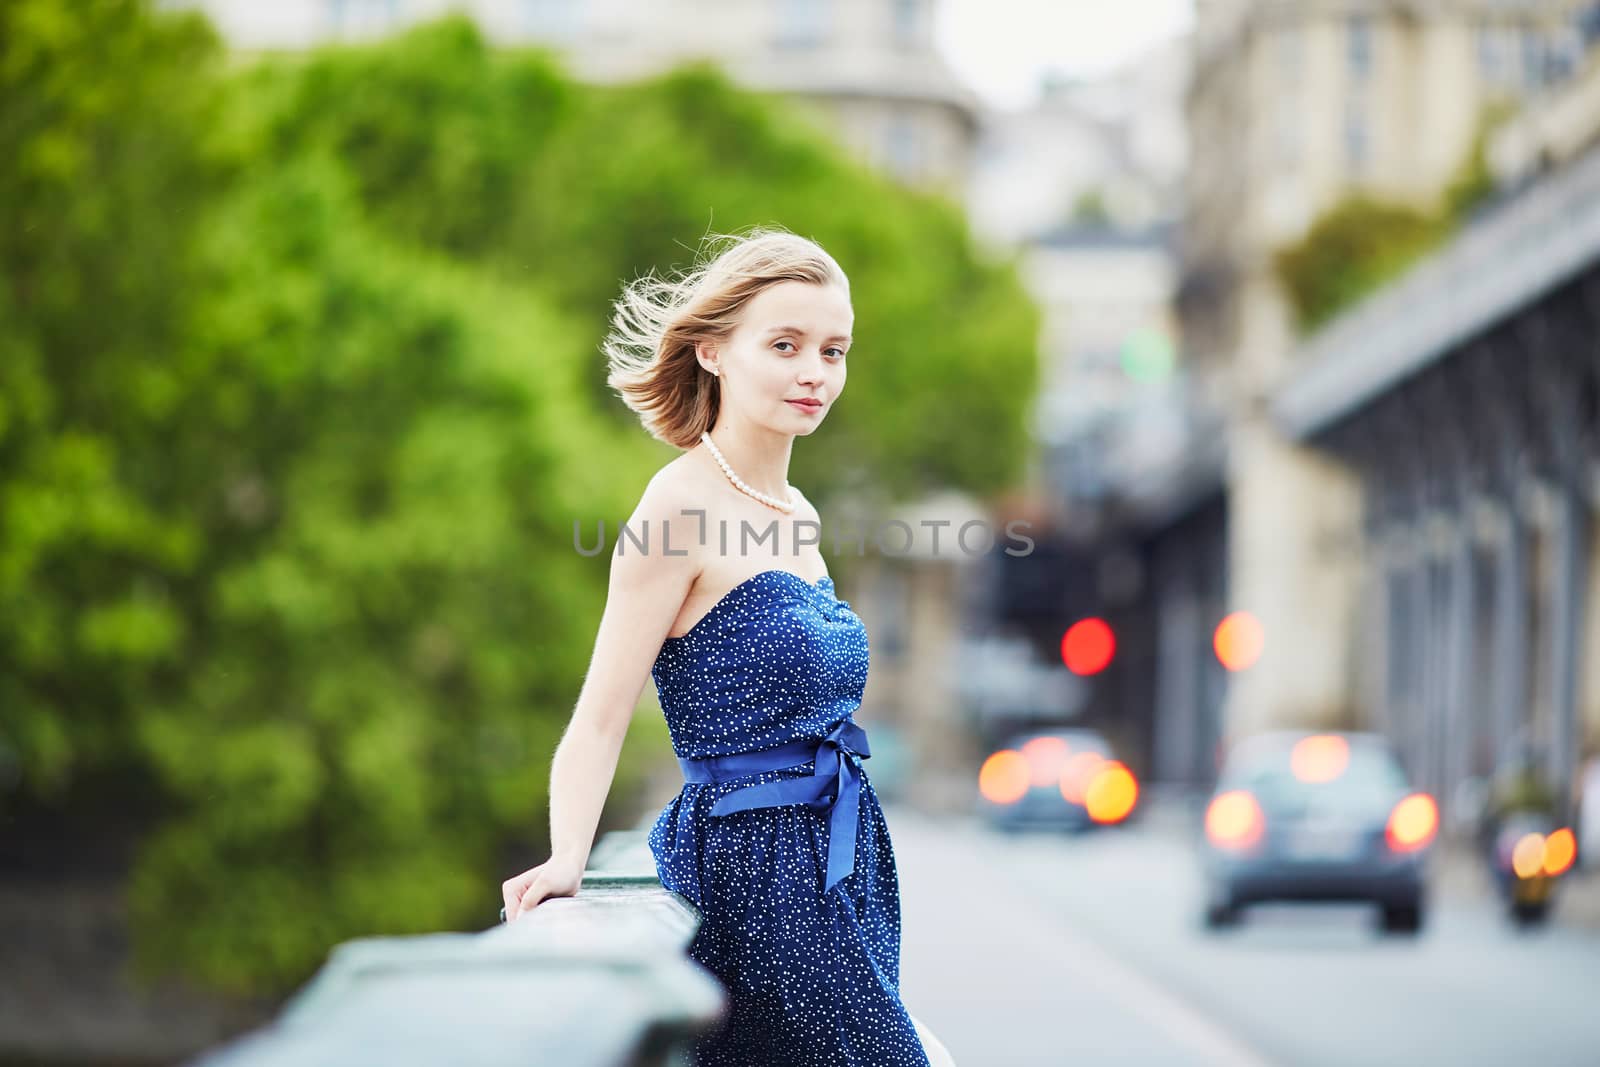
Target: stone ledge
pixel 600 978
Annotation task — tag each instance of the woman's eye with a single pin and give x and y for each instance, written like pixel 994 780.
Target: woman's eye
pixel 833 351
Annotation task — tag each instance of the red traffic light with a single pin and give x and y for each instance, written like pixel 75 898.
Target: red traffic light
pixel 1087 646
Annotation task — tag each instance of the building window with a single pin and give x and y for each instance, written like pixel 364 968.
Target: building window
pixel 1491 57
pixel 1286 132
pixel 1357 140
pixel 556 20
pixel 903 147
pixel 907 16
pixel 1587 23
pixel 363 18
pixel 1564 54
pixel 802 23
pixel 1359 31
pixel 1532 58
pixel 1291 54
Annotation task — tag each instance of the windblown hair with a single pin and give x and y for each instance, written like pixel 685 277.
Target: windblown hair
pixel 650 351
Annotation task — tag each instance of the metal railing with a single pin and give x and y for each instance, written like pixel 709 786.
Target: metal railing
pixel 1537 239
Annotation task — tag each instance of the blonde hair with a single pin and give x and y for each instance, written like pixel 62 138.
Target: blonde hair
pixel 650 351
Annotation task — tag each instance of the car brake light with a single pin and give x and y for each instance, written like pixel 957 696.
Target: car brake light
pixel 1234 820
pixel 1412 823
pixel 1004 777
pixel 1112 793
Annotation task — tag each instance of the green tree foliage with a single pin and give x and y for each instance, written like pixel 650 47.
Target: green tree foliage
pixel 101 160
pixel 1474 183
pixel 392 623
pixel 299 401
pixel 1362 243
pixel 575 189
pixel 1090 209
pixel 437 132
pixel 1351 251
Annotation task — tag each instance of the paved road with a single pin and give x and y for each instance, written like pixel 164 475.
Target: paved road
pixel 1044 949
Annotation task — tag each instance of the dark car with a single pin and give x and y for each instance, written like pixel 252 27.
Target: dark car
pixel 1317 817
pixel 1057 779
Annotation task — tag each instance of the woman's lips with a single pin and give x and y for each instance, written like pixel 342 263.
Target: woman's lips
pixel 810 408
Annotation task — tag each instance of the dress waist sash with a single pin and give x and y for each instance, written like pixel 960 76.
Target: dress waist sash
pixel 835 784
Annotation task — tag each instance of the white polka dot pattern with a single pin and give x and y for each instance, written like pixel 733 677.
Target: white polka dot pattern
pixel 813 978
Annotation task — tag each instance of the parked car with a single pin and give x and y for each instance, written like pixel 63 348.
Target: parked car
pixel 1058 778
pixel 1317 817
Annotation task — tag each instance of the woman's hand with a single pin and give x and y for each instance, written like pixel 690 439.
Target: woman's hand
pixel 556 877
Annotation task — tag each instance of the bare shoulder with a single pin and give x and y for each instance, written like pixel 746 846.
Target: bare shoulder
pixel 804 510
pixel 664 530
pixel 678 486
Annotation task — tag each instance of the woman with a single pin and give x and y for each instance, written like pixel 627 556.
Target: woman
pixel 777 836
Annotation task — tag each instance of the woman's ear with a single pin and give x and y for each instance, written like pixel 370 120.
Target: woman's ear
pixel 707 356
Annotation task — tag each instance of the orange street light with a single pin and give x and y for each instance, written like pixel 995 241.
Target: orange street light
pixel 1239 640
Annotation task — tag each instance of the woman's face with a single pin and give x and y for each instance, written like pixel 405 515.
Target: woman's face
pixel 787 349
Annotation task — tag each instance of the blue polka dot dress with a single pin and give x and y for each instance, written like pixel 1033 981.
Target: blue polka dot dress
pixel 812 970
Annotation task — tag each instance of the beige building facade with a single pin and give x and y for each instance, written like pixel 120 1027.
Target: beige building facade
pixel 1294 105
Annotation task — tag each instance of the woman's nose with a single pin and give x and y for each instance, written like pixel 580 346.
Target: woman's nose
pixel 814 369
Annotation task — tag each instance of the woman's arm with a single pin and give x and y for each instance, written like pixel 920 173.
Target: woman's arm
pixel 646 591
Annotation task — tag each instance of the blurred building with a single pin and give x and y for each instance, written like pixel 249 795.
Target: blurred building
pixel 1404 499
pixel 867 69
pixel 1082 188
pixel 1085 186
pixel 1294 106
pixel 1465 398
pixel 1554 128
pixel 1112 147
pixel 1107 393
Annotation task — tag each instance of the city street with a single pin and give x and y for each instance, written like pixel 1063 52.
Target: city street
pixel 1049 949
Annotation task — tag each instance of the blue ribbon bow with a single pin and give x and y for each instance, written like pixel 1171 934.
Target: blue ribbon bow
pixel 835 783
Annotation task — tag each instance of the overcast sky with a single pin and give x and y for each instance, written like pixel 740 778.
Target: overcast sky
pixel 1002 47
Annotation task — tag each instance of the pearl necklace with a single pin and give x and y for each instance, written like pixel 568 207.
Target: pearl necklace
pixel 739 483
